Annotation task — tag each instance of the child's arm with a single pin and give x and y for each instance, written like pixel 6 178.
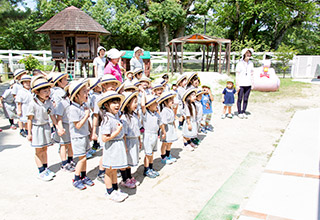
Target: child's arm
pixel 108 137
pixel 53 119
pixel 90 130
pixel 222 98
pixel 61 130
pixel 211 96
pixel 1 101
pixel 19 110
pixel 79 124
pixel 189 123
pixel 29 127
pixel 143 103
pixel 95 122
pixel 163 130
pixel 140 143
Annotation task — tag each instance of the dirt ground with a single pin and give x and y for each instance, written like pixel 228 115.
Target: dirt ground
pixel 182 189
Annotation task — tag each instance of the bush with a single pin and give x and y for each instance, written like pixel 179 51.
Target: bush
pixel 44 67
pixel 284 54
pixel 30 62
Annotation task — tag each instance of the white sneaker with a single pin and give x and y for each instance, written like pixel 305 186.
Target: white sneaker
pixel 229 116
pixel 223 116
pixel 44 176
pixel 122 194
pixel 115 196
pixel 245 116
pixel 189 148
pixel 50 173
pixel 240 116
pixel 193 145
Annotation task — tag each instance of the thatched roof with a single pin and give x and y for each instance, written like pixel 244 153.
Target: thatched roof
pixel 198 39
pixel 72 19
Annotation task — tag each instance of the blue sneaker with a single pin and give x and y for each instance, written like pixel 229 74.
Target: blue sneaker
pixel 86 180
pixel 150 174
pixel 50 173
pixel 209 128
pixel 79 184
pixel 166 160
pixel 92 151
pixel 173 159
pixel 155 172
pixel 203 130
pixel 88 155
pixel 180 127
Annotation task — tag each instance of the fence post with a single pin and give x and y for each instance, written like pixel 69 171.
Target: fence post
pixel 10 60
pixel 44 58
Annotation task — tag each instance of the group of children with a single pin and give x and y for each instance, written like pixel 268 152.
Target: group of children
pixel 121 118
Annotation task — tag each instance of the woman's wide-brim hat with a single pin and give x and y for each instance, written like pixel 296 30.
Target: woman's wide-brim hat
pixel 25 78
pixel 188 92
pixel 100 48
pixel 94 82
pixel 19 72
pixel 58 76
pixel 190 76
pixel 40 83
pixel 108 78
pixel 150 99
pixel 166 95
pixel 109 95
pixel 181 78
pixel 137 48
pixel 114 53
pixel 127 97
pixel 244 51
pixel 76 86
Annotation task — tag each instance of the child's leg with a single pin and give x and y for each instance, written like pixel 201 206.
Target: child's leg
pixel 44 158
pixel 38 156
pixel 20 124
pixel 70 152
pixel 163 150
pixel 63 154
pixel 11 121
pixel 128 170
pixel 101 168
pixel 114 180
pixel 224 109
pixel 124 174
pixel 229 109
pixel 79 167
pixel 107 179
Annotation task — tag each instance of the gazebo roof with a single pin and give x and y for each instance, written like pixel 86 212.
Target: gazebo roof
pixel 72 19
pixel 198 39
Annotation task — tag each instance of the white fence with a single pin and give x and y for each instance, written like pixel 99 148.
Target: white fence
pixel 44 56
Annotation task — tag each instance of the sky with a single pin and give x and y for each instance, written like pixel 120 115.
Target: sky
pixel 28 3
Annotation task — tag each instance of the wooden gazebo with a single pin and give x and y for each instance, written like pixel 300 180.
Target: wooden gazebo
pixel 74 37
pixel 213 42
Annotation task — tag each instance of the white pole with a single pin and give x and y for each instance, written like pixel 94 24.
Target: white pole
pixel 44 58
pixel 10 60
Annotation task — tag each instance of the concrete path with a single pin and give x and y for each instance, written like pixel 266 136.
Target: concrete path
pixel 289 186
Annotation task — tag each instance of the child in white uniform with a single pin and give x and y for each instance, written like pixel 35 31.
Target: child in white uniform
pixel 132 126
pixel 189 128
pixel 114 150
pixel 168 134
pixel 79 114
pixel 181 83
pixel 151 123
pixel 8 105
pixel 39 133
pixel 23 99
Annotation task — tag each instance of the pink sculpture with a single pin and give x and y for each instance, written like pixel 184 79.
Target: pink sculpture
pixel 265 78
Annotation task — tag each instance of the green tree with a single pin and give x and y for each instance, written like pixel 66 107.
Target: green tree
pixel 284 54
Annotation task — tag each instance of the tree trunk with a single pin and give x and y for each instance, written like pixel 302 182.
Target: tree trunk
pixel 179 33
pixel 163 36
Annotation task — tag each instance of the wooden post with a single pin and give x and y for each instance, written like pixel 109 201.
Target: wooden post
pixel 215 66
pixel 212 49
pixel 181 69
pixel 175 58
pixel 207 46
pixel 219 57
pixel 228 61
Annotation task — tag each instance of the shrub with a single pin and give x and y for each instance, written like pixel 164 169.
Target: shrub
pixel 30 62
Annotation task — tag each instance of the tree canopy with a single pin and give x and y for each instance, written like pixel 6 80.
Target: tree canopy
pixel 265 24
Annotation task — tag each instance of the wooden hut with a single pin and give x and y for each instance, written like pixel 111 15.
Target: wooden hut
pixel 208 41
pixel 74 37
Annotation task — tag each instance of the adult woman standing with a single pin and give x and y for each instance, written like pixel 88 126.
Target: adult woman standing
pixel 113 67
pixel 244 72
pixel 136 61
pixel 99 62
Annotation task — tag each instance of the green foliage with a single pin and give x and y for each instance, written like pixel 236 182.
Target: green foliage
pixel 284 54
pixel 44 67
pixel 30 62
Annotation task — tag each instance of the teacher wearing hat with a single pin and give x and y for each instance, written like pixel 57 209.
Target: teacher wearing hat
pixel 136 61
pixel 113 67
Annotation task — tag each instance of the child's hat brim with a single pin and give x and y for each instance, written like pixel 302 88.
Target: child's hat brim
pixel 110 95
pixel 94 82
pixel 57 76
pixel 150 99
pixel 128 96
pixel 180 79
pixel 191 76
pixel 185 95
pixel 108 78
pixel 166 95
pixel 76 86
pixel 40 83
pixel 19 72
pixel 25 78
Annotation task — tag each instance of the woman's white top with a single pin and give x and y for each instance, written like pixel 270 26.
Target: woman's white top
pixel 136 63
pixel 100 63
pixel 244 71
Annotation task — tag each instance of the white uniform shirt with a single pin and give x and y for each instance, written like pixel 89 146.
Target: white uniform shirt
pixel 40 111
pixel 76 113
pixel 63 109
pixel 100 63
pixel 131 125
pixel 167 116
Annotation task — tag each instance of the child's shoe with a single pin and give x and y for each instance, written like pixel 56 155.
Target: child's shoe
pixel 73 164
pixel 123 194
pixel 101 178
pixel 79 184
pixel 209 128
pixel 180 127
pixel 118 173
pixel 173 159
pixel 0 130
pixel 223 116
pixel 156 173
pixel 88 155
pixel 196 141
pixel 44 176
pixel 149 174
pixel 193 145
pixel 189 148
pixel 135 182
pixel 68 167
pixel 203 130
pixel 115 196
pixel 241 116
pixel 92 151
pixel 245 116
pixel 229 115
pixel 52 174
pixel 13 127
pixel 86 180
pixel 128 184
pixel 166 161
pixel 95 146
pixel 23 134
